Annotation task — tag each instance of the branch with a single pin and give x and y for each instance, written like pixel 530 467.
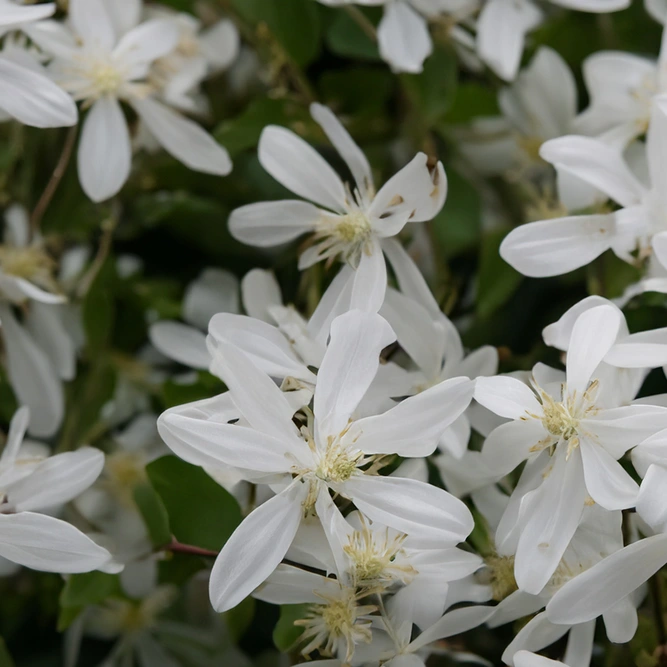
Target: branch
pixel 54 182
pixel 176 547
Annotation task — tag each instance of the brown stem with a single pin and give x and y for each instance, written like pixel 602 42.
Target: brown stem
pixel 362 21
pixel 176 547
pixel 54 181
pixel 655 586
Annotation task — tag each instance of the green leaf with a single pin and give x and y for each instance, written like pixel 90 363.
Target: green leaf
pixel 497 280
pixel 153 513
pixel 359 90
pixel 295 24
pixel 201 512
pixel 286 634
pixel 459 225
pixel 238 620
pixel 98 308
pixel 243 132
pixel 472 100
pixel 346 37
pixel 432 91
pixel 89 588
pixel 5 658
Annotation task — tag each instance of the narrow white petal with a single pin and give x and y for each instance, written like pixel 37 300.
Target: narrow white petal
pixel 256 548
pixel 32 98
pixel 300 168
pixel 510 444
pixel 597 590
pixel 348 368
pixel 182 343
pixel 553 247
pixel 403 38
pixel 214 291
pixel 593 335
pixel 92 23
pixel 183 138
pixel 105 156
pixel 652 499
pixel 414 427
pixel 266 224
pixel 147 42
pixel 453 623
pixel 260 292
pixel 506 396
pixel 44 543
pixel 621 621
pixel 536 635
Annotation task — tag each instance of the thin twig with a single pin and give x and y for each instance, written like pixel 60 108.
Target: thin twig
pixel 178 548
pixel 54 181
pixel 108 227
pixel 362 21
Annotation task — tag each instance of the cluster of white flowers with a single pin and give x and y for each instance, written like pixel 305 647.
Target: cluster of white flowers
pixel 338 426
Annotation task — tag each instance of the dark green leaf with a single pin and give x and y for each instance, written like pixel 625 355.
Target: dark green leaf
pixel 286 634
pixel 153 513
pixel 98 308
pixel 201 512
pixel 5 659
pixel 89 588
pixel 497 280
pixel 347 38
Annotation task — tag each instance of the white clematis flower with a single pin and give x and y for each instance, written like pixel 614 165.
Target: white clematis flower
pixel 26 92
pixel 329 452
pixel 572 434
pixel 355 220
pixel 36 540
pixel 553 247
pixel 100 66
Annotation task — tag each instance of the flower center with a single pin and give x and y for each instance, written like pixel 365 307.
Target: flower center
pixel 338 463
pixel 105 78
pixel 502 578
pixel 27 262
pixel 374 560
pixel 558 418
pixel 124 471
pixel 336 626
pixel 348 236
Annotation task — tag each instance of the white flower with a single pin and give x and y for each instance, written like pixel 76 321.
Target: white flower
pixel 28 485
pixel 553 247
pixel 100 66
pixel 328 452
pixel 214 291
pixel 26 92
pixel 572 436
pixel 530 659
pixel 357 219
pixel 503 24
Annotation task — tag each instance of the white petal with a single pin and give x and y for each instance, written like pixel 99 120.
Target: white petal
pixel 652 499
pixel 555 512
pixel 453 623
pixel 181 342
pixel 265 345
pixel 580 644
pixel 45 322
pixel 57 480
pixel 414 190
pixel 336 301
pixel 300 168
pixel 92 23
pixel 348 368
pixel 33 99
pixel 596 6
pixel 506 396
pixel 409 277
pixel 125 14
pixel 105 156
pixel 536 635
pixel 147 42
pixel 220 44
pixel 32 376
pixel 559 333
pixel 345 145
pixel 266 224
pixel 621 621
pixel 292 585
pixel 214 291
pixel 510 444
pixel 403 38
pixel 17 428
pixel 183 139
pixel 369 282
pixel 210 443
pixel 606 480
pixel 597 590
pixel 254 393
pixel 596 163
pixel 256 548
pixel 553 247
pixel 593 334
pixel 48 544
pixel 527 659
pixel 420 510
pixel 13 14
pixel 501 28
pixel 414 426
pixel 260 291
